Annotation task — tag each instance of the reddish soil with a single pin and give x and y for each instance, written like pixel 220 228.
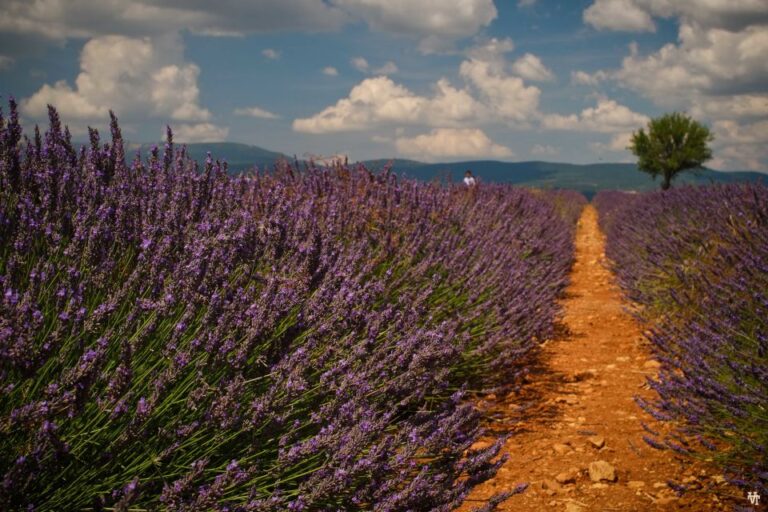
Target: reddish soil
pixel 578 408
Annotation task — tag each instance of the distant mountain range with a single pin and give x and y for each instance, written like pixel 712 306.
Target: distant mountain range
pixel 587 178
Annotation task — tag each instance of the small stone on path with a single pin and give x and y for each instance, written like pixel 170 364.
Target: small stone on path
pixel 635 484
pixel 597 441
pixel 561 449
pixel 567 477
pixel 602 470
pixel 652 363
pixel 550 487
pixel 573 507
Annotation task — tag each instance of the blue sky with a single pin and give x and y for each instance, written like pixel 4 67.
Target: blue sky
pixel 431 80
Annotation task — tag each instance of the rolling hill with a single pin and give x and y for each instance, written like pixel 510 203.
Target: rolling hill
pixel 586 178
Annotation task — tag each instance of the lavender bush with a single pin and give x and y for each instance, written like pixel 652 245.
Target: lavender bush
pixel 176 338
pixel 697 260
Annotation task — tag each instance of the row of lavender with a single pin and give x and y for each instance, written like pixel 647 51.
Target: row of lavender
pixel 697 260
pixel 179 338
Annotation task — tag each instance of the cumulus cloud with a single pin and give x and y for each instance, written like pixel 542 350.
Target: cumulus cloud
pixel 491 50
pixel 608 116
pixel 618 15
pixel 445 21
pixel 506 95
pixel 435 22
pixel 360 64
pixel 739 106
pixel 490 93
pixel 740 145
pixel 721 50
pixel 198 132
pixel 135 77
pixel 270 53
pixel 95 18
pixel 256 112
pixel 378 101
pixel 618 143
pixel 635 15
pixel 530 67
pixel 451 143
pixel 387 69
pixel 583 78
pixel 330 71
pixel 710 61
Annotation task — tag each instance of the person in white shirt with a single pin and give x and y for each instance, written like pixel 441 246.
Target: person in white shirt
pixel 469 179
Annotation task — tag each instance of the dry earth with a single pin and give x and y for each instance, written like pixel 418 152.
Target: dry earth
pixel 575 422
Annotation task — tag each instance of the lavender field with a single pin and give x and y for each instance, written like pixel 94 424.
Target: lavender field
pixel 176 338
pixel 696 261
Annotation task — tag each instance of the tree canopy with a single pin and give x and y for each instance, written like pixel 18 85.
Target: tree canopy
pixel 673 143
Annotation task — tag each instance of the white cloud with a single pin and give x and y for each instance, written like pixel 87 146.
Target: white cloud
pixel 634 15
pixel 387 69
pixel 489 94
pixel 507 96
pixel 257 112
pixel 530 67
pixel 740 145
pixel 56 19
pixel 583 78
pixel 379 101
pixel 330 71
pixel 69 103
pixel 5 62
pixel 739 106
pixel 270 53
pixel 360 64
pixel 544 150
pixel 618 143
pixel 713 61
pixel 174 89
pixel 435 22
pixel 618 15
pixel 729 131
pixel 198 132
pixel 608 116
pixel 451 143
pixel 135 77
pixel 492 50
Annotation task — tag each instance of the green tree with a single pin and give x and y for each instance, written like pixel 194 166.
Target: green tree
pixel 673 143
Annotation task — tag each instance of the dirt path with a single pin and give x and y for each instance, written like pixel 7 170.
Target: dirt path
pixel 578 408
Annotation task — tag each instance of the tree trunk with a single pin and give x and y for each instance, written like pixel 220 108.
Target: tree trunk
pixel 666 183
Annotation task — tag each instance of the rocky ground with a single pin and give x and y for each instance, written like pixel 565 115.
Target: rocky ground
pixel 577 434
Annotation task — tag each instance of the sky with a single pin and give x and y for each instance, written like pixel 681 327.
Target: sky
pixel 429 80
